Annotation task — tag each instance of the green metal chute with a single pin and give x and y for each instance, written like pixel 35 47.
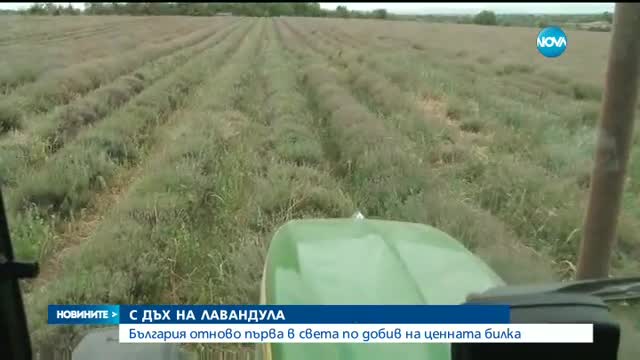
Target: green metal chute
pixel 365 261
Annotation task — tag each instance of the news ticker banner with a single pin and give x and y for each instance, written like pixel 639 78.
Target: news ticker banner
pixel 278 314
pixel 316 324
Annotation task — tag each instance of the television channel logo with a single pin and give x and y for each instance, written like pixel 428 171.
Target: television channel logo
pixel 552 42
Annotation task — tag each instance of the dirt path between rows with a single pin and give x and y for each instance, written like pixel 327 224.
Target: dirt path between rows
pixel 78 231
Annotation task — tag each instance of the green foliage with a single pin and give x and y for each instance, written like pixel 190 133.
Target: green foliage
pixel 52 9
pixel 540 21
pixel 485 17
pixel 584 91
pixel 341 11
pixel 30 234
pixel 207 9
pixel 380 13
pixel 311 9
pixel 10 117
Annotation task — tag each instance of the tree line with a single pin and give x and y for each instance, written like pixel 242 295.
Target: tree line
pixel 314 10
pixel 203 9
pixel 580 21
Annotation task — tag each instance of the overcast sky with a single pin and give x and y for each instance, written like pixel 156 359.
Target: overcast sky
pixel 441 8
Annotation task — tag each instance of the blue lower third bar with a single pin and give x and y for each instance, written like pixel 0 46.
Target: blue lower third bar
pixel 83 314
pixel 278 314
pixel 315 314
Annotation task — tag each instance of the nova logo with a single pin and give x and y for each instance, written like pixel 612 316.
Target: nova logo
pixel 552 42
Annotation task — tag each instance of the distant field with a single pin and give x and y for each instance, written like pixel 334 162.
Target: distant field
pixel 149 159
